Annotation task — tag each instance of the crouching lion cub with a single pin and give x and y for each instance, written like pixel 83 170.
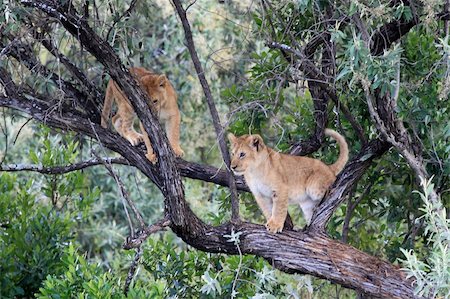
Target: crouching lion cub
pixel 163 101
pixel 277 179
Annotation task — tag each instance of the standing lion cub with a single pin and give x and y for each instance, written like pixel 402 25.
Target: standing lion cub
pixel 163 102
pixel 276 179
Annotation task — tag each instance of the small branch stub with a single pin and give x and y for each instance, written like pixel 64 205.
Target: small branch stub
pixel 142 235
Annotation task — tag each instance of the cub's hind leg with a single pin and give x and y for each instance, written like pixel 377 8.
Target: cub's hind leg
pixel 151 156
pixel 172 126
pixel 127 129
pixel 307 207
pixel 117 123
pixel 316 189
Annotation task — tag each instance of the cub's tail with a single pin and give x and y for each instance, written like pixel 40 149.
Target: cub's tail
pixel 343 149
pixel 109 98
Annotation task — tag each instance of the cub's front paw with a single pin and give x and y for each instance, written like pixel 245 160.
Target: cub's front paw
pixel 135 138
pixel 152 157
pixel 274 226
pixel 178 152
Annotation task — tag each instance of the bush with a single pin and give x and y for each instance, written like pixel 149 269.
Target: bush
pixel 88 280
pixel 432 277
pixel 32 237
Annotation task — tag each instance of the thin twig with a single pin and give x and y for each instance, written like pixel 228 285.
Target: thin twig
pixel 350 209
pixel 125 195
pixel 20 130
pixel 132 270
pixel 212 108
pixel 136 242
pixel 125 14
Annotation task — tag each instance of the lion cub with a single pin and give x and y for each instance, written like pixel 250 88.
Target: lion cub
pixel 163 102
pixel 276 179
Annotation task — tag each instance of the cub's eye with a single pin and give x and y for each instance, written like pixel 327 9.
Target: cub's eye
pixel 155 101
pixel 241 155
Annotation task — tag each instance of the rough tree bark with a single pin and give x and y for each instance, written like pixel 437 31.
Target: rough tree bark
pixel 310 252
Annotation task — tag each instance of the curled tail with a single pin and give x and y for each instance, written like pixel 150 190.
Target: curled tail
pixel 343 149
pixel 109 98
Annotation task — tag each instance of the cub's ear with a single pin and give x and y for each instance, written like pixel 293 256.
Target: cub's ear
pixel 232 138
pixel 162 80
pixel 146 80
pixel 256 142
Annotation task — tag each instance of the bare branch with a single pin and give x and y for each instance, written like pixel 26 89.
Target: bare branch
pixel 393 130
pixel 212 108
pixel 62 169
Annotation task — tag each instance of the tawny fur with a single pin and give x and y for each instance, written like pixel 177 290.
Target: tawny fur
pixel 277 179
pixel 163 100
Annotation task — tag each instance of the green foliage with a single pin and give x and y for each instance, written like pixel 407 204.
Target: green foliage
pixel 39 217
pixel 82 279
pixel 432 276
pixel 32 237
pixel 188 273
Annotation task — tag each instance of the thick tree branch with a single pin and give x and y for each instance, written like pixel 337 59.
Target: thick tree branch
pixel 315 254
pixel 212 107
pixel 349 176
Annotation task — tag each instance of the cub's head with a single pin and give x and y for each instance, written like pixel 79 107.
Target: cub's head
pixel 156 87
pixel 245 151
